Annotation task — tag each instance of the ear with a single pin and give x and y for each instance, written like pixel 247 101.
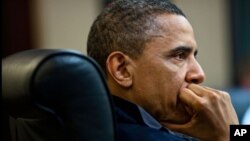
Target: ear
pixel 119 67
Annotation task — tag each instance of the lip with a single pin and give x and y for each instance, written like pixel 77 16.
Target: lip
pixel 185 85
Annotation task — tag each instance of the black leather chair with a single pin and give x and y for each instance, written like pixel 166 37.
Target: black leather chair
pixel 55 95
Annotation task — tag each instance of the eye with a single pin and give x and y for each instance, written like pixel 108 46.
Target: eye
pixel 180 55
pixel 195 54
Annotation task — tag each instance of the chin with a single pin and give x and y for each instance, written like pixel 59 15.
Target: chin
pixel 183 120
pixel 182 115
pixel 177 117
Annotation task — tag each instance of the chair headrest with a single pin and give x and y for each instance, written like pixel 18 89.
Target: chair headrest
pixel 64 83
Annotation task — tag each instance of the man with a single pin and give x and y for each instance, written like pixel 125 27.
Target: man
pixel 148 52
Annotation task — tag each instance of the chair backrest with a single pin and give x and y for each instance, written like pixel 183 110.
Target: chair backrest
pixel 56 94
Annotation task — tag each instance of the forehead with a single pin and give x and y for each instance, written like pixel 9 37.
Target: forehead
pixel 174 30
pixel 173 21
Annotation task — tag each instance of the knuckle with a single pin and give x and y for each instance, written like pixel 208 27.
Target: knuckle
pixel 202 103
pixel 226 95
pixel 214 96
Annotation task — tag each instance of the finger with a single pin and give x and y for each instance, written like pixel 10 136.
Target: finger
pixel 189 98
pixel 210 92
pixel 198 90
pixel 211 89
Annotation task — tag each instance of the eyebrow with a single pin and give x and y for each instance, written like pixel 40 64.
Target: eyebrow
pixel 183 49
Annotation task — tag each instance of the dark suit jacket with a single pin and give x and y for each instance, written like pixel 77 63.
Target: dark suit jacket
pixel 135 124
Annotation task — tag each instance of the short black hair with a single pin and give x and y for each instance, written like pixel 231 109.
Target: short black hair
pixel 124 26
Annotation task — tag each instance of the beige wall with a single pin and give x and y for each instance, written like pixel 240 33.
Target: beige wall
pixel 210 20
pixel 63 23
pixel 66 23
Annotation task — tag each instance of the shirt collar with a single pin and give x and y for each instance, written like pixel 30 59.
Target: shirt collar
pixel 148 119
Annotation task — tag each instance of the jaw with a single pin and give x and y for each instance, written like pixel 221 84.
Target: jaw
pixel 179 114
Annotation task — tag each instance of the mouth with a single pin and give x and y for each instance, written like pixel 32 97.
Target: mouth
pixel 187 108
pixel 183 109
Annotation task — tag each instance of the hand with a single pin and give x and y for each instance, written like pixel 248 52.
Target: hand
pixel 212 113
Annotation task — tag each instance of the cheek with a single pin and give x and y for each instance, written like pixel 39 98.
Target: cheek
pixel 165 80
pixel 177 75
pixel 161 85
pixel 171 91
pixel 172 85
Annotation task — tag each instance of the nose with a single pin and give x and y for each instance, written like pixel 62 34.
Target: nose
pixel 195 73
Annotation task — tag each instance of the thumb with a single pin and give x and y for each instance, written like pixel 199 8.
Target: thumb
pixel 189 98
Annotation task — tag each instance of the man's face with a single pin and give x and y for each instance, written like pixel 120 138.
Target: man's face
pixel 166 65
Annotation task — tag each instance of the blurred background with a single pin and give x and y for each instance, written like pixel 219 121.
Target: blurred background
pixel 222 30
